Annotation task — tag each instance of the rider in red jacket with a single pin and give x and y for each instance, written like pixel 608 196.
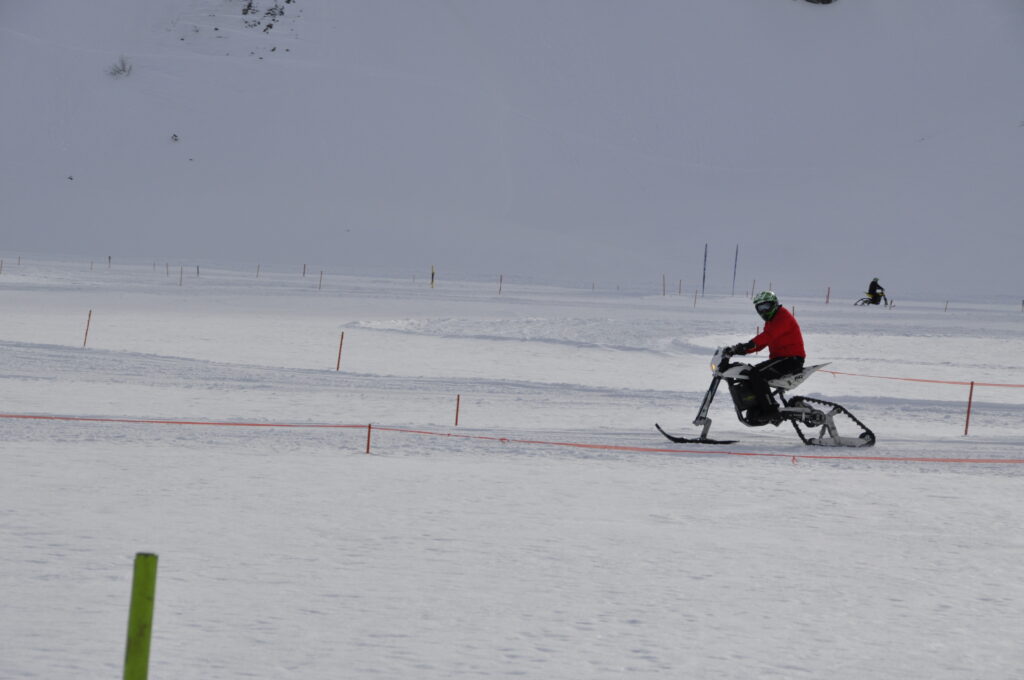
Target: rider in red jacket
pixel 781 335
pixel 785 345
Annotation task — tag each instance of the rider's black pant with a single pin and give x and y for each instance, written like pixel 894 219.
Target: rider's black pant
pixel 771 369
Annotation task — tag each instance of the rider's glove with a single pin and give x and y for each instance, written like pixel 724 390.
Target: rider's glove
pixel 741 348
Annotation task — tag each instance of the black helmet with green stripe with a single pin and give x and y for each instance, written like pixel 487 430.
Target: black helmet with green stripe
pixel 767 304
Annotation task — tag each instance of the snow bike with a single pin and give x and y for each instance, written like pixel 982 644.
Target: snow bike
pixel 868 301
pixel 801 411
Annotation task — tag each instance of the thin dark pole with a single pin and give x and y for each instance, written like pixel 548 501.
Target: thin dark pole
pixel 704 276
pixel 735 263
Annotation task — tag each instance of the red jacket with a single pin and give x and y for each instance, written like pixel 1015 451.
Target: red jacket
pixel 781 336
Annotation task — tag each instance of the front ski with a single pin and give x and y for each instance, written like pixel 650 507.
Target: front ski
pixel 693 440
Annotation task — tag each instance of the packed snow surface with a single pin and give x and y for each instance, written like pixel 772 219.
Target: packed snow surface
pixel 493 547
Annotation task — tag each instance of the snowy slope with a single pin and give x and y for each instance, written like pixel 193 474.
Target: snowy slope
pixel 492 547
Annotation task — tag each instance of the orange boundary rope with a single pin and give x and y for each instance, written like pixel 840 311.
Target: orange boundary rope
pixel 923 380
pixel 506 440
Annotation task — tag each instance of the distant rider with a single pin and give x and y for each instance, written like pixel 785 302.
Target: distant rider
pixel 785 345
pixel 876 293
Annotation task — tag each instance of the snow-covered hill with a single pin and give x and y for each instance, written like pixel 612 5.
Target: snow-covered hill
pixel 567 141
pixel 553 533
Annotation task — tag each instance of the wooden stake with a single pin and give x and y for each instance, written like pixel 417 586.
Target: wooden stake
pixel 88 321
pixel 501 278
pixel 828 294
pixel 458 399
pixel 369 432
pixel 321 284
pixel 340 343
pixel 970 400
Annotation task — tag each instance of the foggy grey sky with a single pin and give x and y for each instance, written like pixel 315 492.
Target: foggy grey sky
pixel 599 141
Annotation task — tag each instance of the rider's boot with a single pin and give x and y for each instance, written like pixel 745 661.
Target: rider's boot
pixel 769 408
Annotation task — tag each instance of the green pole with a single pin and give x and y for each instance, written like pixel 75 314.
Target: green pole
pixel 140 618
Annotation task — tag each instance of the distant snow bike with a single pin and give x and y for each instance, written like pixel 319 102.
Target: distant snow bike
pixel 803 412
pixel 868 301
